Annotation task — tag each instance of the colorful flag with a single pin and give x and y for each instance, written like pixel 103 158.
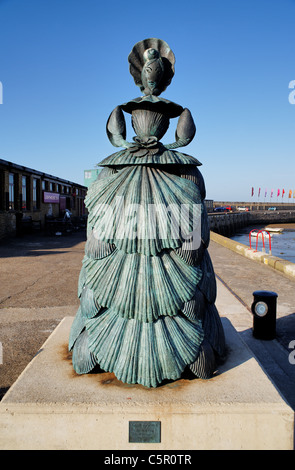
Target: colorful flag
pixel 283 192
pixel 252 192
pixel 290 193
pixel 294 194
pixel 259 192
pixel 278 192
pixel 271 193
pixel 265 192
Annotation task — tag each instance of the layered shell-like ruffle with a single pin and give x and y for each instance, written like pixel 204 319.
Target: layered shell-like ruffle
pixel 137 352
pixel 164 157
pixel 145 210
pixel 139 286
pixel 147 302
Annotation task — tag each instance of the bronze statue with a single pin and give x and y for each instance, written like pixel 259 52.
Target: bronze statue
pixel 147 287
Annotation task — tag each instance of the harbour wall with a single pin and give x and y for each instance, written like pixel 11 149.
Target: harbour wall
pixel 227 223
pixel 255 206
pixel 284 266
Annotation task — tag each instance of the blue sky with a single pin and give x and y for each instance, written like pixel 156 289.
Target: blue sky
pixel 63 69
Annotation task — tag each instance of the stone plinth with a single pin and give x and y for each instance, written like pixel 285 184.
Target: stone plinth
pixel 51 407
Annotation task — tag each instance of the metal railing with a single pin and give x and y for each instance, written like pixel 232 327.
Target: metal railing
pixel 262 232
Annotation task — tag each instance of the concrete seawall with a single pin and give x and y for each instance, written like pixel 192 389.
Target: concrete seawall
pixel 226 223
pixel 285 267
pixel 256 206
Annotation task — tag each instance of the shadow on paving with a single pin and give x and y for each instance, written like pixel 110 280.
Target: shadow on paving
pixel 40 244
pixel 276 357
pixel 3 391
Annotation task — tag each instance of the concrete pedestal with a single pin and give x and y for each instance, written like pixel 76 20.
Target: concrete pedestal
pixel 51 407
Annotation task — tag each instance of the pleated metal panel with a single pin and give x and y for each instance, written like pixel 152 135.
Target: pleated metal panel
pixel 139 286
pixel 208 282
pixel 192 173
pixel 81 280
pixel 163 157
pixel 149 123
pixel 163 210
pixel 77 327
pixel 146 303
pixel 82 358
pixel 88 304
pixel 194 308
pixel 105 172
pixel 213 329
pixel 145 353
pixel 205 365
pixel 96 248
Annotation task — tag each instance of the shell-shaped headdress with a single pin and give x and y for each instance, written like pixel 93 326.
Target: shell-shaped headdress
pixel 138 57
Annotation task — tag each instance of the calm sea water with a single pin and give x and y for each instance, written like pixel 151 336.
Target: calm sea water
pixel 282 244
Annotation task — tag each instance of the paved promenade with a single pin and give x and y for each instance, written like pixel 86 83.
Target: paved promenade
pixel 240 277
pixel 39 277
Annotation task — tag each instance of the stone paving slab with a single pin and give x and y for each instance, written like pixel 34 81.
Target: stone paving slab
pixel 24 327
pixel 240 277
pixel 51 407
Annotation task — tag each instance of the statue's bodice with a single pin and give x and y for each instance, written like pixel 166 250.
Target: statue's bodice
pixel 148 123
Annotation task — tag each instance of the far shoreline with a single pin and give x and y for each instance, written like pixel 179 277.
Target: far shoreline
pixel 290 226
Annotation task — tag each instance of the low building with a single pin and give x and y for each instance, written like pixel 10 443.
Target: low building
pixel 90 176
pixel 27 194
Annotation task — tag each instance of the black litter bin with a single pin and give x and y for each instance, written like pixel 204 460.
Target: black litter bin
pixel 264 309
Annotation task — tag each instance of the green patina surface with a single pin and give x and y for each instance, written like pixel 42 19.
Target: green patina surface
pixel 147 290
